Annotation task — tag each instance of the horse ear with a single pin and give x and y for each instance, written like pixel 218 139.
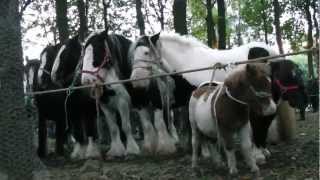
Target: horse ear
pixel 155 38
pixel 250 69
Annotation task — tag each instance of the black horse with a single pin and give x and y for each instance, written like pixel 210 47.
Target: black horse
pixel 50 106
pixel 79 105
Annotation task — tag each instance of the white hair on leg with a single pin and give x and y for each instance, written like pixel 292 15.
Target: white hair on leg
pixel 78 151
pixel 232 163
pixel 195 133
pixel 172 128
pixel 215 154
pixel 56 64
pixel 246 147
pixel 93 150
pixel 124 111
pixel 150 137
pixel 166 144
pixel 117 149
pixel 258 155
pixel 205 152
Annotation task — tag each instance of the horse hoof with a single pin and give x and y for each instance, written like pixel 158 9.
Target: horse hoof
pixel 233 171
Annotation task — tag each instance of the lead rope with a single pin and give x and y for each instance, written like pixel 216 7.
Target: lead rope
pixel 216 118
pixel 216 66
pixel 70 91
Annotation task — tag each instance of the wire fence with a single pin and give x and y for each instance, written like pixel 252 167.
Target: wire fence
pixel 223 65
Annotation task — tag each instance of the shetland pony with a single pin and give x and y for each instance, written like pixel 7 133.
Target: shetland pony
pixel 106 60
pixel 80 106
pixel 219 113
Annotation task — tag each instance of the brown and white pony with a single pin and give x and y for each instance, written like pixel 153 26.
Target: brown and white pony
pixel 221 112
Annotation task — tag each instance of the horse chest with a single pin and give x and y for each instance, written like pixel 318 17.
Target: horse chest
pixel 205 121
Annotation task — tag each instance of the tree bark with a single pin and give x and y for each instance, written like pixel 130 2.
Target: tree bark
pixel 62 20
pixel 180 16
pixel 140 20
pixel 277 14
pixel 210 25
pixel 83 30
pixel 221 24
pixel 18 159
pixel 309 37
pixel 161 9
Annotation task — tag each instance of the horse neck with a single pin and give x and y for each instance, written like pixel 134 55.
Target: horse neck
pixel 181 57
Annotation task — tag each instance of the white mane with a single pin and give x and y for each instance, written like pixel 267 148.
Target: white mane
pixel 185 40
pixel 91 35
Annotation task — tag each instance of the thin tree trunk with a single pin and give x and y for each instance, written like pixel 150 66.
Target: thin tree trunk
pixel 265 26
pixel 309 37
pixel 238 29
pixel 83 30
pixel 180 16
pixel 316 25
pixel 18 159
pixel 140 20
pixel 62 20
pixel 105 14
pixel 161 9
pixel 277 14
pixel 210 25
pixel 221 24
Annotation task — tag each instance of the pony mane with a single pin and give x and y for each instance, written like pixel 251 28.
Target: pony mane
pixel 186 40
pixel 94 33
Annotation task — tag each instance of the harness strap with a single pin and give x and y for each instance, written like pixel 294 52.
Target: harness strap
pixel 45 71
pixel 284 88
pixel 233 98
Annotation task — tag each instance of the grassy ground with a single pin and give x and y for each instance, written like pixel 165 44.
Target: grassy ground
pixel 293 161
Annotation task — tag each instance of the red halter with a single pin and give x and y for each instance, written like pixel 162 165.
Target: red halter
pixel 95 73
pixel 284 88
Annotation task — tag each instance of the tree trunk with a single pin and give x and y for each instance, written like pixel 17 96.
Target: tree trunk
pixel 221 24
pixel 140 20
pixel 210 25
pixel 105 14
pixel 62 20
pixel 83 30
pixel 265 26
pixel 18 159
pixel 180 16
pixel 309 37
pixel 316 25
pixel 161 9
pixel 238 28
pixel 277 14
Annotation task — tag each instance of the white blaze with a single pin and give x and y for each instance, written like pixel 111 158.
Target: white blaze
pixel 56 64
pixel 42 64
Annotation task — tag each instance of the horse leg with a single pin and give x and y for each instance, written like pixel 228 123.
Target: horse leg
pixel 172 128
pixel 124 111
pixel 60 136
pixel 246 148
pixel 42 136
pixel 79 135
pixel 166 144
pixel 228 146
pixel 117 149
pixel 149 134
pixel 93 150
pixel 194 134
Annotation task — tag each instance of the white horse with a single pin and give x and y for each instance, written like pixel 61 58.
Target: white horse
pixel 178 53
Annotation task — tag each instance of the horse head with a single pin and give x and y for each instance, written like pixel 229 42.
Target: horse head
pixel 144 57
pixel 252 85
pixel 30 71
pixel 102 52
pixel 65 63
pixel 47 58
pixel 287 82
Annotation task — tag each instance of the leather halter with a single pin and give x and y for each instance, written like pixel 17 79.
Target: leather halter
pixel 106 59
pixel 284 88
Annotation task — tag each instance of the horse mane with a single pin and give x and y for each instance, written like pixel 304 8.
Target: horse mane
pixel 236 76
pixel 184 40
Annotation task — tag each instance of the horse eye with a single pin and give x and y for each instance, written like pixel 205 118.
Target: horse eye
pixel 146 53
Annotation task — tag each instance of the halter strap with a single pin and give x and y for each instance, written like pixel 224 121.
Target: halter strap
pixel 284 88
pixel 45 71
pixel 233 98
pixel 106 59
pixel 260 94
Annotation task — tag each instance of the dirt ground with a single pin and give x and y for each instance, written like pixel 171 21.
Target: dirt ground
pixel 293 161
